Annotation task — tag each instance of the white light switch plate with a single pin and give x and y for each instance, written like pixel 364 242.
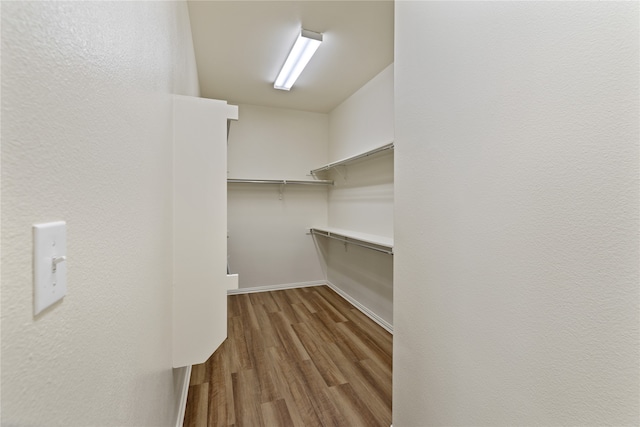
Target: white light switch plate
pixel 49 283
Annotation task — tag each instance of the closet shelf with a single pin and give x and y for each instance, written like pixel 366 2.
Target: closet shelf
pixel 381 149
pixel 369 241
pixel 279 181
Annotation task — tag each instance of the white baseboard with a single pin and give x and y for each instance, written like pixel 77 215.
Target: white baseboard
pixel 275 287
pixel 366 311
pixel 184 391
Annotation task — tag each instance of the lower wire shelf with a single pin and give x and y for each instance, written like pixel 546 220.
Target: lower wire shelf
pixel 369 241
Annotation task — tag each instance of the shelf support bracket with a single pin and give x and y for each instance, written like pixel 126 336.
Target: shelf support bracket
pixel 342 174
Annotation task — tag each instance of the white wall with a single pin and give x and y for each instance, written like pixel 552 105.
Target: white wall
pixel 200 280
pixel 362 198
pixel 516 233
pixel 268 243
pixel 364 120
pixel 86 138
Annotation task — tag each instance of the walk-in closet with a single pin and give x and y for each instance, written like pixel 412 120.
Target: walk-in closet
pixel 309 218
pixel 310 198
pixel 432 223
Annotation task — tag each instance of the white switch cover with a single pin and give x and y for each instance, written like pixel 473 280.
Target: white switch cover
pixel 49 264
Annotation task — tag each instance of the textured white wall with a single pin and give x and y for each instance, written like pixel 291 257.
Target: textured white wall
pixel 364 274
pixel 362 198
pixel 516 268
pixel 364 120
pixel 268 244
pixel 86 138
pixel 276 143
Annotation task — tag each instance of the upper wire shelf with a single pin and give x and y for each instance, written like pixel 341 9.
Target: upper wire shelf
pixel 389 146
pixel 280 181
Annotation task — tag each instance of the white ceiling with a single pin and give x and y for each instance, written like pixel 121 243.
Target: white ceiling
pixel 241 45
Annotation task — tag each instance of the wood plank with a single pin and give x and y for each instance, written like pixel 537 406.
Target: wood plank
pixel 227 378
pixel 264 370
pixel 381 336
pixel 293 388
pixel 240 357
pixel 266 299
pixel 221 410
pixel 285 308
pixel 323 330
pixel 380 379
pixel 276 413
pixel 328 370
pixel 302 312
pixel 246 312
pixel 288 338
pixel 353 409
pixel 322 400
pixel 198 374
pixel 362 347
pixel 304 295
pixel 197 406
pixel 269 338
pixel 233 307
pixel 375 400
pixel 326 305
pixel 246 397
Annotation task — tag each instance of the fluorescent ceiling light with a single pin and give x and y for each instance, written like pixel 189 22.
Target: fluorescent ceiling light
pixel 302 51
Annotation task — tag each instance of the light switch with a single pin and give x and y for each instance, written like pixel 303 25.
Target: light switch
pixel 49 264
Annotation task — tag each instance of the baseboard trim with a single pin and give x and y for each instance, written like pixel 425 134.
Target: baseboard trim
pixel 183 397
pixel 366 311
pixel 268 288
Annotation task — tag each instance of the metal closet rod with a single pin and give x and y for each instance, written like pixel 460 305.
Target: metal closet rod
pixel 279 181
pixel 351 240
pixel 389 146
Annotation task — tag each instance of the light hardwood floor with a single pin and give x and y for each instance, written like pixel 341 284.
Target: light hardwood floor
pixel 295 357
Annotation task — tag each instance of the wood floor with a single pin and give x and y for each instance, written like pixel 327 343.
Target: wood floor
pixel 296 357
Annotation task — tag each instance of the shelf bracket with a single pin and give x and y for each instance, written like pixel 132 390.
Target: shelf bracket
pixel 343 174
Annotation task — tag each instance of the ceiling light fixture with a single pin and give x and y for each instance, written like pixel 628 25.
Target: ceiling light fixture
pixel 302 51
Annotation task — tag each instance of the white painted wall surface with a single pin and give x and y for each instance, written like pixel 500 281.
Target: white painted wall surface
pixel 268 243
pixel 364 274
pixel 364 120
pixel 87 138
pixel 516 266
pixel 200 280
pixel 362 198
pixel 276 143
